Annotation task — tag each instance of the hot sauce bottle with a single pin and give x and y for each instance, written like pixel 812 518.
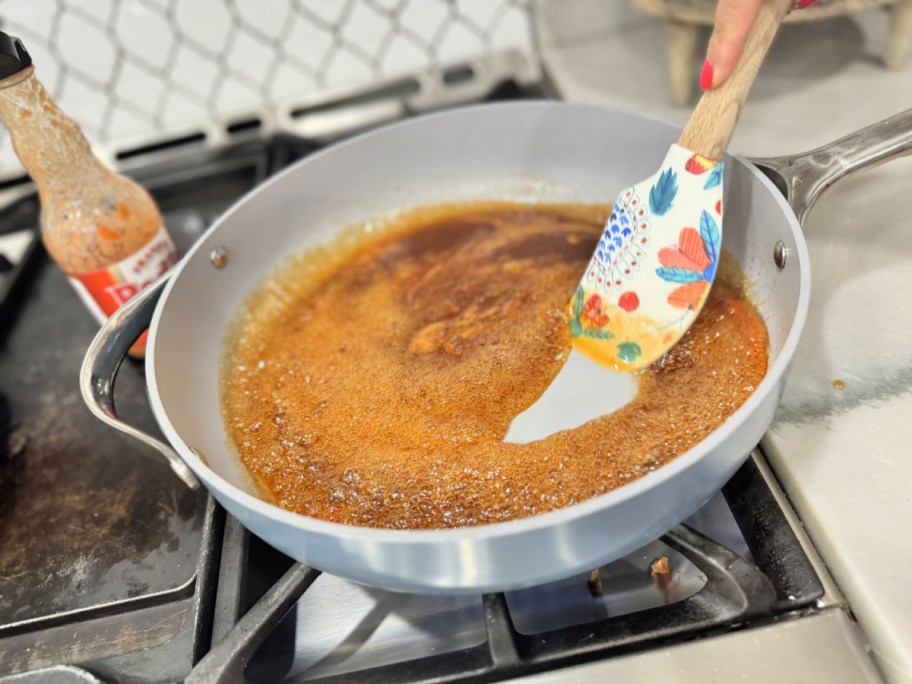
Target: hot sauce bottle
pixel 103 230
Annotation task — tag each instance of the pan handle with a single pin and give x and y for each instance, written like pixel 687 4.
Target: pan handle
pixel 802 178
pixel 104 358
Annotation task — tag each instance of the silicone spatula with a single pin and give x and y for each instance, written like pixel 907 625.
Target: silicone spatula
pixel 655 261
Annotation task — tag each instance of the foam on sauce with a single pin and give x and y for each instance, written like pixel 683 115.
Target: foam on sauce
pixel 371 383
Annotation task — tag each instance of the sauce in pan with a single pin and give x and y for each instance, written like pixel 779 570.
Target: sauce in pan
pixel 371 383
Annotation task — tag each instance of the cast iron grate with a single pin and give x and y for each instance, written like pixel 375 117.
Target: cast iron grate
pixel 737 592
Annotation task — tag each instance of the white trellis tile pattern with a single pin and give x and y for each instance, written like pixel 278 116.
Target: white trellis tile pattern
pixel 129 68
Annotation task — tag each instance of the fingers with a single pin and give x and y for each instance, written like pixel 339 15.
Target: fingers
pixel 734 19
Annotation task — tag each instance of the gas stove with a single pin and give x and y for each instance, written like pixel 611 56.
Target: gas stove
pixel 112 570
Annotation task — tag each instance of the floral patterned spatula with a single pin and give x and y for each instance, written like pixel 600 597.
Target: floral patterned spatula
pixel 655 261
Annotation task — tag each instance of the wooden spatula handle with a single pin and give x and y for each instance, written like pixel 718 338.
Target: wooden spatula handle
pixel 711 126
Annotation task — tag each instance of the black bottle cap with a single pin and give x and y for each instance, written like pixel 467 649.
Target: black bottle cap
pixel 13 55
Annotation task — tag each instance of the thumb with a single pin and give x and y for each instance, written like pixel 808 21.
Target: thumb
pixel 734 20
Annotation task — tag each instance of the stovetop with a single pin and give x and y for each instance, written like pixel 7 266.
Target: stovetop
pixel 736 562
pixel 108 563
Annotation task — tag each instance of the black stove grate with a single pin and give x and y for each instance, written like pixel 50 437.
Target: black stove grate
pixel 737 593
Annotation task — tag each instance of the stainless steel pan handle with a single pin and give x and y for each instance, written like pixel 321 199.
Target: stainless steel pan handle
pixel 103 360
pixel 803 177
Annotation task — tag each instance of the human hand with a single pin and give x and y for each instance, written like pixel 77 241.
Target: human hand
pixel 733 23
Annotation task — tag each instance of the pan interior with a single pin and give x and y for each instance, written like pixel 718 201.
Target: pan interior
pixel 525 152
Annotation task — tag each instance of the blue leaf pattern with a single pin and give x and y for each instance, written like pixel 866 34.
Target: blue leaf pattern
pixel 678 275
pixel 709 231
pixel 715 176
pixel 710 271
pixel 663 192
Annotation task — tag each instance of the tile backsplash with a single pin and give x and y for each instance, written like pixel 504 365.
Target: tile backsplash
pixel 136 68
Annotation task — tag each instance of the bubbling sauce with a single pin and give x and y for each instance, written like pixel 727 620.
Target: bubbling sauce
pixel 371 383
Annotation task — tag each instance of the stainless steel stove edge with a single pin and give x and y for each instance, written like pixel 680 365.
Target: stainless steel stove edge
pixel 831 596
pixel 825 647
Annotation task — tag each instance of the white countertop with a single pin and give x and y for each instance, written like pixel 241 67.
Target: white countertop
pixel 843 455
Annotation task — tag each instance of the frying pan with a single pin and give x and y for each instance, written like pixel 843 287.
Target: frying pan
pixel 525 151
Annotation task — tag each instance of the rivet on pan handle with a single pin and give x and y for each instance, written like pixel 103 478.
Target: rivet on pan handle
pixel 103 360
pixel 803 177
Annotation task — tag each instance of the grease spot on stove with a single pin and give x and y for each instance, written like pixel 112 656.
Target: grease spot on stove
pixel 85 518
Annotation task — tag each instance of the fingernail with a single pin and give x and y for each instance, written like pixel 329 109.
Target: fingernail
pixel 706 75
pixel 805 3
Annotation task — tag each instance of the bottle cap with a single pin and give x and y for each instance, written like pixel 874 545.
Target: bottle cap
pixel 13 55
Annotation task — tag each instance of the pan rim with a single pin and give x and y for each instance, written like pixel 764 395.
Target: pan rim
pixel 351 533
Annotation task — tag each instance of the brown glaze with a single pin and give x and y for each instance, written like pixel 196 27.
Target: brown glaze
pixel 373 384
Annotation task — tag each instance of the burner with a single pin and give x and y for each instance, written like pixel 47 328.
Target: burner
pixel 339 631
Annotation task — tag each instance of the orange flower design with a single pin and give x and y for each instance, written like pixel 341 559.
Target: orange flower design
pixel 692 263
pixel 593 316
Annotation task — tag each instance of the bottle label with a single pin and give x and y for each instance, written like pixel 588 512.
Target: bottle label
pixel 107 289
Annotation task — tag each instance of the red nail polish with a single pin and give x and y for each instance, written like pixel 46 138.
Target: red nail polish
pixel 706 75
pixel 805 3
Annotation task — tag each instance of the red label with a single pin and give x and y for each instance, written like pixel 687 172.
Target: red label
pixel 106 290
